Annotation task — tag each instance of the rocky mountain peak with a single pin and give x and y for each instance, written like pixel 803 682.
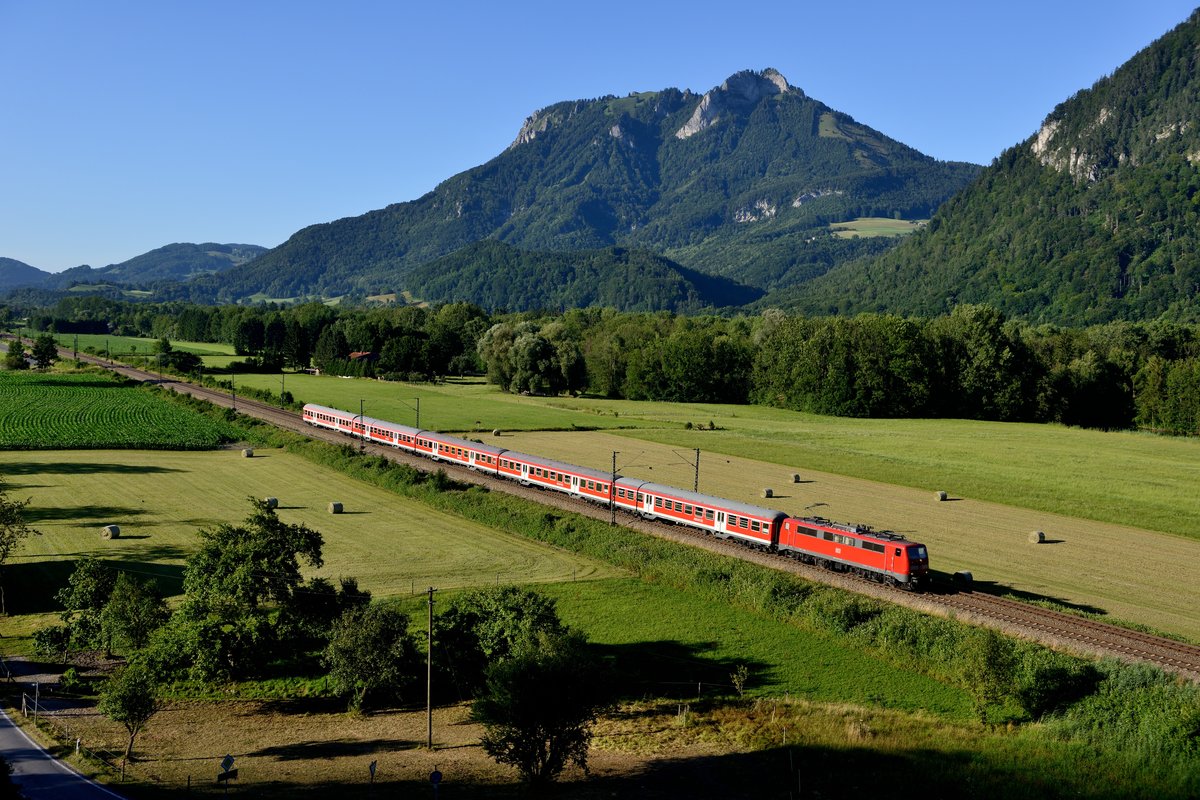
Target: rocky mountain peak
pixel 739 91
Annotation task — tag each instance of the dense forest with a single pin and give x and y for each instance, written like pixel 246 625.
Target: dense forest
pixel 1093 219
pixel 972 363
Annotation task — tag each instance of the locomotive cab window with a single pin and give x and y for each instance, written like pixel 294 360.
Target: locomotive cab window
pixel 898 551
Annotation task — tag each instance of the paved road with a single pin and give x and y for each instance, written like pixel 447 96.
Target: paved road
pixel 40 777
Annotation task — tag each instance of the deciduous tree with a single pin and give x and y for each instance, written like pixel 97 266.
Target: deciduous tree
pixel 131 698
pixel 371 650
pixel 539 705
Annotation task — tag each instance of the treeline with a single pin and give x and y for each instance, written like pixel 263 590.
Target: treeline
pixel 972 363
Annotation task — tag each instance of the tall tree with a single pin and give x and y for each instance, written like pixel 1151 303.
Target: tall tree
pixel 45 350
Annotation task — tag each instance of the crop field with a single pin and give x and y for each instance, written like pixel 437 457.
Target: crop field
pixel 46 410
pixel 875 226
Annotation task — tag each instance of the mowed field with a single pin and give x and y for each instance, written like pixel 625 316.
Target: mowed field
pixel 1129 573
pixel 161 499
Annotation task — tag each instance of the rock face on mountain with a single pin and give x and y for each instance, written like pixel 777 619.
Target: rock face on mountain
pixel 1095 217
pixel 740 92
pixel 741 182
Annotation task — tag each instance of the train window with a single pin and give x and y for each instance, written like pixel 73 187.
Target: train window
pixel 687 509
pixel 639 497
pixel 621 493
pixel 873 547
pixel 743 522
pixel 828 536
pixel 917 552
pixel 897 552
pixel 708 514
pixel 678 506
pixel 754 525
pixel 658 502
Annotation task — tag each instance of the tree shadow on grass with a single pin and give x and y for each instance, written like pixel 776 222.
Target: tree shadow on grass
pixel 90 468
pixel 686 671
pixel 299 751
pixel 1003 590
pixel 83 514
pixel 30 586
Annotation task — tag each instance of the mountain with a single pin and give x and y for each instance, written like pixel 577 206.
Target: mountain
pixel 174 262
pixel 525 280
pixel 15 274
pixel 1095 217
pixel 741 182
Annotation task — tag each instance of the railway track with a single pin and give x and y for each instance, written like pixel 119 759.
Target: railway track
pixel 1053 628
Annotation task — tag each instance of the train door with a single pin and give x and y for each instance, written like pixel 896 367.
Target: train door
pixel 721 521
pixel 575 484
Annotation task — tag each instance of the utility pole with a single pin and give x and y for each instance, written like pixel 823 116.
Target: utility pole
pixel 282 386
pixel 696 480
pixel 362 423
pixel 233 390
pixel 429 675
pixel 418 401
pixel 612 491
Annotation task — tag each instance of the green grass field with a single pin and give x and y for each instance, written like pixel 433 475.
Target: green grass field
pixel 1135 479
pixel 866 227
pixel 120 346
pixel 397 548
pixel 46 410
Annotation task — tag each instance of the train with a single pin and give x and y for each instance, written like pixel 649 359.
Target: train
pixel 881 556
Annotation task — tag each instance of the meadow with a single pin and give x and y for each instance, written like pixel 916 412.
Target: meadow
pixel 1139 480
pixel 875 226
pixel 48 410
pixel 1092 493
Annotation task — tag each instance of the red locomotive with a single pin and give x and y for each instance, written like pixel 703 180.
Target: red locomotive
pixel 877 555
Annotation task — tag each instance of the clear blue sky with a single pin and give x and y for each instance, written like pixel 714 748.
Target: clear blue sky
pixel 126 125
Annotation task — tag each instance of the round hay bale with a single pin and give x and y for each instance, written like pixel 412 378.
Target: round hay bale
pixel 271 502
pixel 941 496
pixel 795 477
pixel 335 508
pixel 963 581
pixel 768 493
pixel 248 452
pixel 1037 537
pixel 110 532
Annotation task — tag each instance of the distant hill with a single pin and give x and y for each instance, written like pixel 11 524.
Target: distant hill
pixel 740 182
pixel 521 280
pixel 173 262
pixel 15 274
pixel 1095 217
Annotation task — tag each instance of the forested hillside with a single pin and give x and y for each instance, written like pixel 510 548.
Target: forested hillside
pixel 498 276
pixel 741 182
pixel 1095 217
